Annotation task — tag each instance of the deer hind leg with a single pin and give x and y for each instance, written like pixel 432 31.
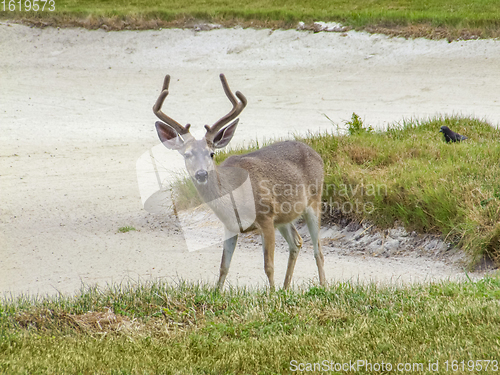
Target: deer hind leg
pixel 312 217
pixel 268 245
pixel 292 237
pixel 227 255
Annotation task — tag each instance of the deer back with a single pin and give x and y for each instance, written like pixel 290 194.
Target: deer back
pixel 286 178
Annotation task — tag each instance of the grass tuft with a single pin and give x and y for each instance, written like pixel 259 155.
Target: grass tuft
pixel 126 229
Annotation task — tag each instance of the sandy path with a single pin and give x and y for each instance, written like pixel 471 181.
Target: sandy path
pixel 75 115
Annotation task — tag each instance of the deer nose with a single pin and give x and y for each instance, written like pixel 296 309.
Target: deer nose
pixel 201 175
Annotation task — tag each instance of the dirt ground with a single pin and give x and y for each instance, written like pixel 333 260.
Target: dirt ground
pixel 75 116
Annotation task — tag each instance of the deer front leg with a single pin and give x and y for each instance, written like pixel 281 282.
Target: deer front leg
pixel 227 255
pixel 268 244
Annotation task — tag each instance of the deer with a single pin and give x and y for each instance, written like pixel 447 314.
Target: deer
pixel 286 180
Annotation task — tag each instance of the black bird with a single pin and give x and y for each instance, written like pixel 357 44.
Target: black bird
pixel 451 136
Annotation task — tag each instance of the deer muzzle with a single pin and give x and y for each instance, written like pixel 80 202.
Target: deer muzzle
pixel 201 176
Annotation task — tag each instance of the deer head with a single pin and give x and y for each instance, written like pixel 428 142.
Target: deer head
pixel 198 154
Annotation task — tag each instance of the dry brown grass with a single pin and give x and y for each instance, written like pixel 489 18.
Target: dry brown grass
pixel 174 320
pixel 494 244
pixel 360 154
pixel 90 322
pixel 431 32
pixel 145 23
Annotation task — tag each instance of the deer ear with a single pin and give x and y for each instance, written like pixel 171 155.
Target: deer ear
pixel 168 136
pixel 224 136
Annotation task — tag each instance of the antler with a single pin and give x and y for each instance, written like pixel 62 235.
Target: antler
pixel 162 116
pixel 237 108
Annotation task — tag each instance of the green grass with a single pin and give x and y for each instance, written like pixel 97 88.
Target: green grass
pixel 453 17
pixel 408 175
pixel 126 229
pixel 157 328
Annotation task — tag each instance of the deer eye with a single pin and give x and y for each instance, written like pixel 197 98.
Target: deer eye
pixel 187 155
pixel 212 154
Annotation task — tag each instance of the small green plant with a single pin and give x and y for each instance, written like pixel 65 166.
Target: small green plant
pixel 356 126
pixel 126 229
pixel 484 202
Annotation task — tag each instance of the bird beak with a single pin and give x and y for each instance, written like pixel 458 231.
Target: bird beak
pixel 440 130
